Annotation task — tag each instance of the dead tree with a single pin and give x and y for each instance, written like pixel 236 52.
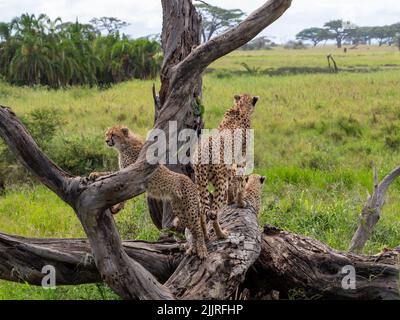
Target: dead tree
pixel 335 67
pixel 371 212
pixel 142 270
pixel 180 36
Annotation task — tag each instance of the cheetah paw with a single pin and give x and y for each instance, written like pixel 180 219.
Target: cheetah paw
pixel 94 175
pixel 190 251
pixel 117 208
pixel 202 253
pixel 223 234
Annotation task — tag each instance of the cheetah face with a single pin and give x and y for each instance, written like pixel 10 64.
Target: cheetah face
pixel 255 179
pixel 246 102
pixel 116 136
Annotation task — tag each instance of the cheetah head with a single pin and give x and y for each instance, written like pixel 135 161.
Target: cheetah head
pixel 245 102
pixel 116 136
pixel 255 180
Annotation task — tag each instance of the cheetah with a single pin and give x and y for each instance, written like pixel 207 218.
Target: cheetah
pixel 253 191
pixel 164 184
pixel 183 195
pixel 221 174
pixel 128 146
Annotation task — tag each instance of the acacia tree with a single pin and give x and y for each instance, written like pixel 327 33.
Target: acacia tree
pixel 216 19
pixel 109 24
pixel 315 35
pixel 141 270
pixel 338 30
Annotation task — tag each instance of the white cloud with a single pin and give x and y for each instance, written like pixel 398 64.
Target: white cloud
pixel 145 17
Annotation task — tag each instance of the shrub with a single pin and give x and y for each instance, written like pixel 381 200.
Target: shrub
pixel 317 160
pixel 250 70
pixel 392 142
pixel 81 155
pixel 42 123
pixel 350 126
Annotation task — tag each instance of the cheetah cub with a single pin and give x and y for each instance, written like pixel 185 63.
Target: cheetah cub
pixel 164 184
pixel 253 191
pixel 220 174
pixel 128 146
pixel 182 193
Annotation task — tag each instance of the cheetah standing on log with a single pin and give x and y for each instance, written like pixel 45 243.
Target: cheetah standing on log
pixel 164 184
pixel 220 174
pixel 128 146
pixel 182 193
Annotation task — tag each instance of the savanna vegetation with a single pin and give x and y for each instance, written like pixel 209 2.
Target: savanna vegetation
pixel 317 136
pixel 35 50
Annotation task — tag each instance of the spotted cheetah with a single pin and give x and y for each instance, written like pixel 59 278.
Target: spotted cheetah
pixel 220 174
pixel 128 146
pixel 182 193
pixel 164 184
pixel 253 191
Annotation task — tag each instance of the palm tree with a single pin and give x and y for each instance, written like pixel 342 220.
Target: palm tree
pixel 38 50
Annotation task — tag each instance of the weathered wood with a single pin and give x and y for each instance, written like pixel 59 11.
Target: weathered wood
pixel 225 268
pixel 371 211
pixel 304 268
pixel 180 34
pixel 294 265
pixel 22 259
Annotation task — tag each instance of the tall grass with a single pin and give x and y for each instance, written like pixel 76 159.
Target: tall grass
pixel 317 137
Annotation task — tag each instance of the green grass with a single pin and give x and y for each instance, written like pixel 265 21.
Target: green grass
pixel 317 137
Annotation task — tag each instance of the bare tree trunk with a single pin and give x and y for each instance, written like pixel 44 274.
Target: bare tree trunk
pixel 91 200
pixel 371 211
pixel 181 33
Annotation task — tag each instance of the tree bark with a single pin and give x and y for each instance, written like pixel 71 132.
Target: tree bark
pixel 22 259
pixel 181 33
pixel 296 266
pixel 304 268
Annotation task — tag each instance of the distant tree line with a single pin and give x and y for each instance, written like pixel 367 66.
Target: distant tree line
pixel 216 20
pixel 40 51
pixel 340 31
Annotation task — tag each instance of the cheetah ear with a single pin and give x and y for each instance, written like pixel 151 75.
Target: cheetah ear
pixel 255 99
pixel 262 179
pixel 236 97
pixel 125 131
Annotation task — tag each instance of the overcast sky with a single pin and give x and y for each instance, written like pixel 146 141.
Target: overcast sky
pixel 144 16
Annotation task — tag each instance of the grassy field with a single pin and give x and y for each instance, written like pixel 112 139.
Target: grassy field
pixel 317 136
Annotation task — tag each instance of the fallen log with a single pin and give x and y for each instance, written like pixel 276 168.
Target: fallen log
pixel 302 267
pixel 22 259
pixel 297 267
